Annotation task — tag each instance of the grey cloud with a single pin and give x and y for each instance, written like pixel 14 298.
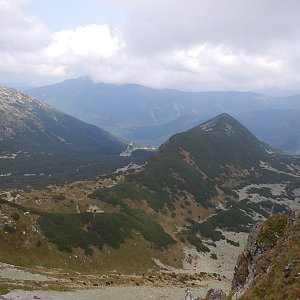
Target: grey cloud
pixel 252 25
pixel 190 44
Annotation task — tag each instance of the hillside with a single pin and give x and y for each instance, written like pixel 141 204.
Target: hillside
pixel 182 217
pixel 39 143
pixel 151 116
pixel 195 174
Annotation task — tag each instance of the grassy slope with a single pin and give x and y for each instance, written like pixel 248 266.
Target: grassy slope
pixel 199 165
pixel 185 177
pixel 193 162
pixel 125 241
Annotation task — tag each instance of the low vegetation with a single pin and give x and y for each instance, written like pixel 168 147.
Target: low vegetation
pixel 85 230
pixel 271 231
pixel 264 191
pixel 3 289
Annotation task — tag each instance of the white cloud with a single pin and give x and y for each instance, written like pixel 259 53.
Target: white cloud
pixel 88 41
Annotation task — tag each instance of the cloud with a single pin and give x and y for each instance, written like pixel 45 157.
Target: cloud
pixel 92 41
pixel 251 25
pixel 191 44
pixel 85 50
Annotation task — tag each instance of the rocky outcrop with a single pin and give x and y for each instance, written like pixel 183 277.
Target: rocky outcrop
pixel 245 267
pixel 263 252
pixel 215 295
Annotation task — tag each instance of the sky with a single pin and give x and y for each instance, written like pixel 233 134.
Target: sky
pixel 185 44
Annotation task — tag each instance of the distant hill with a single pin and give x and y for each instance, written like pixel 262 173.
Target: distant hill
pixel 40 143
pixel 278 127
pixel 157 134
pixel 122 106
pixel 150 116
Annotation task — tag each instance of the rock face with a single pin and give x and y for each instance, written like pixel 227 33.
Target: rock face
pixel 215 295
pixel 270 260
pixel 245 267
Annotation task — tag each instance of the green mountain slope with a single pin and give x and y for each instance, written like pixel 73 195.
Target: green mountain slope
pixel 39 143
pixel 199 170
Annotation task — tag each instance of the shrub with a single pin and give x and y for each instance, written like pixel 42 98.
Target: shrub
pixel 84 230
pixel 271 231
pixel 58 197
pixel 15 216
pixel 9 228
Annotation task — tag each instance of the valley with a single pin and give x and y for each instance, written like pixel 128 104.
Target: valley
pixel 180 219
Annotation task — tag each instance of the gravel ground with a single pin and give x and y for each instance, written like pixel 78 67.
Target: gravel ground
pixel 11 272
pixel 108 293
pixel 226 254
pixel 104 293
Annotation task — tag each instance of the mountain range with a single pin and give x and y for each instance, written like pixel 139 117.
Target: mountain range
pixel 151 116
